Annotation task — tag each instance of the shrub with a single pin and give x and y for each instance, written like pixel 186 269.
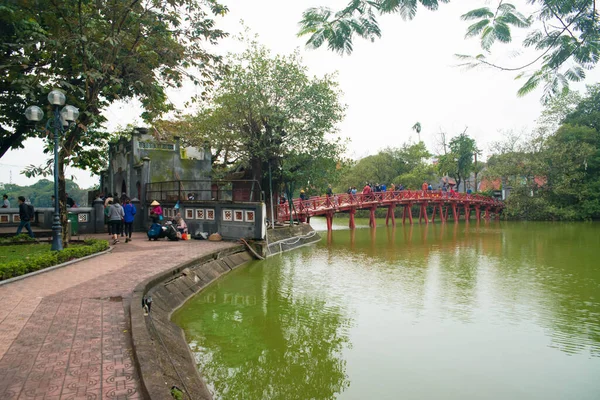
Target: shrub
pixel 22 237
pixel 20 267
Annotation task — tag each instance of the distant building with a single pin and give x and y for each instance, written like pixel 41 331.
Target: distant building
pixel 141 159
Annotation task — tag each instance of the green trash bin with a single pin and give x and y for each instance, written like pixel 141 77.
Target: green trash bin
pixel 73 218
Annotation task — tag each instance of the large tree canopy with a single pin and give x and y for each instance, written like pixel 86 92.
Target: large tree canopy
pixel 98 52
pixel 555 175
pixel 266 111
pixel 565 33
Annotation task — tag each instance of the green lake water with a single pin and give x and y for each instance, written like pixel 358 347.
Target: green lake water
pixel 456 311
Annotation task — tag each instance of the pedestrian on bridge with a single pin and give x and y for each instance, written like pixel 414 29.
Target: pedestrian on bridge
pixel 302 195
pixel 329 191
pixel 424 187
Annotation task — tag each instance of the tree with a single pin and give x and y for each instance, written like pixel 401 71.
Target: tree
pixel 458 163
pixel 100 52
pixel 566 34
pixel 390 165
pixel 267 112
pixel 555 173
pixel 417 128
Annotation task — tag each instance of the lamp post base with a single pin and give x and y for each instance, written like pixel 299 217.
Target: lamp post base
pixel 56 233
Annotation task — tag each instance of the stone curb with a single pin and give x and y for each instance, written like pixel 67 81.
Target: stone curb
pixel 170 289
pixel 57 266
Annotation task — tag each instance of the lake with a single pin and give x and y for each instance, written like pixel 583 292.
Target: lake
pixel 498 310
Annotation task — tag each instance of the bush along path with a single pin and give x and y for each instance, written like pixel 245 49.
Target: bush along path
pixel 20 259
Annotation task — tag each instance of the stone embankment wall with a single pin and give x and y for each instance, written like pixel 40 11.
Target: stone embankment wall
pixel 163 357
pixel 162 354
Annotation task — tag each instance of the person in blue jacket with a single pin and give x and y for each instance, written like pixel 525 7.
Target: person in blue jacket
pixel 129 210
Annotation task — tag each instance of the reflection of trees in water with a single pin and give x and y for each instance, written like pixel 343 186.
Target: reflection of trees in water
pixel 553 267
pixel 542 272
pixel 260 339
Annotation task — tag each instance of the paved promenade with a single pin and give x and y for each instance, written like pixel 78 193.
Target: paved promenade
pixel 65 334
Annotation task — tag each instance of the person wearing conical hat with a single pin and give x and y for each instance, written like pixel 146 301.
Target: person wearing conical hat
pixel 156 213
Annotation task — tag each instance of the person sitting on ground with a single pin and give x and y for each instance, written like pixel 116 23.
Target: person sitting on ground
pixel 5 202
pixel 156 214
pixel 181 225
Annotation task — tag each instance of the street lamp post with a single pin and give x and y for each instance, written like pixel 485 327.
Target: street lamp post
pixel 61 118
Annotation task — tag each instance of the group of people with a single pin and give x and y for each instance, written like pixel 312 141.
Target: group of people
pixel 156 215
pixel 119 214
pixel 376 188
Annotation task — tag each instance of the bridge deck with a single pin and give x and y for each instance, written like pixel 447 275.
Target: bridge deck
pixel 441 201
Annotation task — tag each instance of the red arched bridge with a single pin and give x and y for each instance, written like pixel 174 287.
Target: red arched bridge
pixel 443 203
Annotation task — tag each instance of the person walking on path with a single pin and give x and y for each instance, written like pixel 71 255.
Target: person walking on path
pixel 25 215
pixel 115 216
pixel 129 212
pixel 5 202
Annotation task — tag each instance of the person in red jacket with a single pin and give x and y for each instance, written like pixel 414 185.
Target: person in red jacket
pixel 367 191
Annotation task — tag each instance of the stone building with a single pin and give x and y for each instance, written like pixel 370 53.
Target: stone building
pixel 141 159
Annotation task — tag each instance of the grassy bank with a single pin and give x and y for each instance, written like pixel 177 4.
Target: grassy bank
pixel 16 260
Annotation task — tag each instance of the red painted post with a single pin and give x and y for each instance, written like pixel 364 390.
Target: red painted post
pixel 352 224
pixel 467 212
pixel 487 213
pixel 372 222
pixel 387 217
pixel 392 212
pixel 410 218
pixel 404 214
pixel 434 210
pixel 478 213
pixel 329 217
pixel 454 212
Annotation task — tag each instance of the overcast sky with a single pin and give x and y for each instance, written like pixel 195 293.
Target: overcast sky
pixel 408 75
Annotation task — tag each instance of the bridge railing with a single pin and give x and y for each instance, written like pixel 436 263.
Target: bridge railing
pixel 318 204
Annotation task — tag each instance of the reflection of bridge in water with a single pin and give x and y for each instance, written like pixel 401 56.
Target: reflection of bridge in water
pixel 442 203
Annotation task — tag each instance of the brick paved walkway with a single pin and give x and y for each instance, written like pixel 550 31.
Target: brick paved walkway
pixel 64 334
